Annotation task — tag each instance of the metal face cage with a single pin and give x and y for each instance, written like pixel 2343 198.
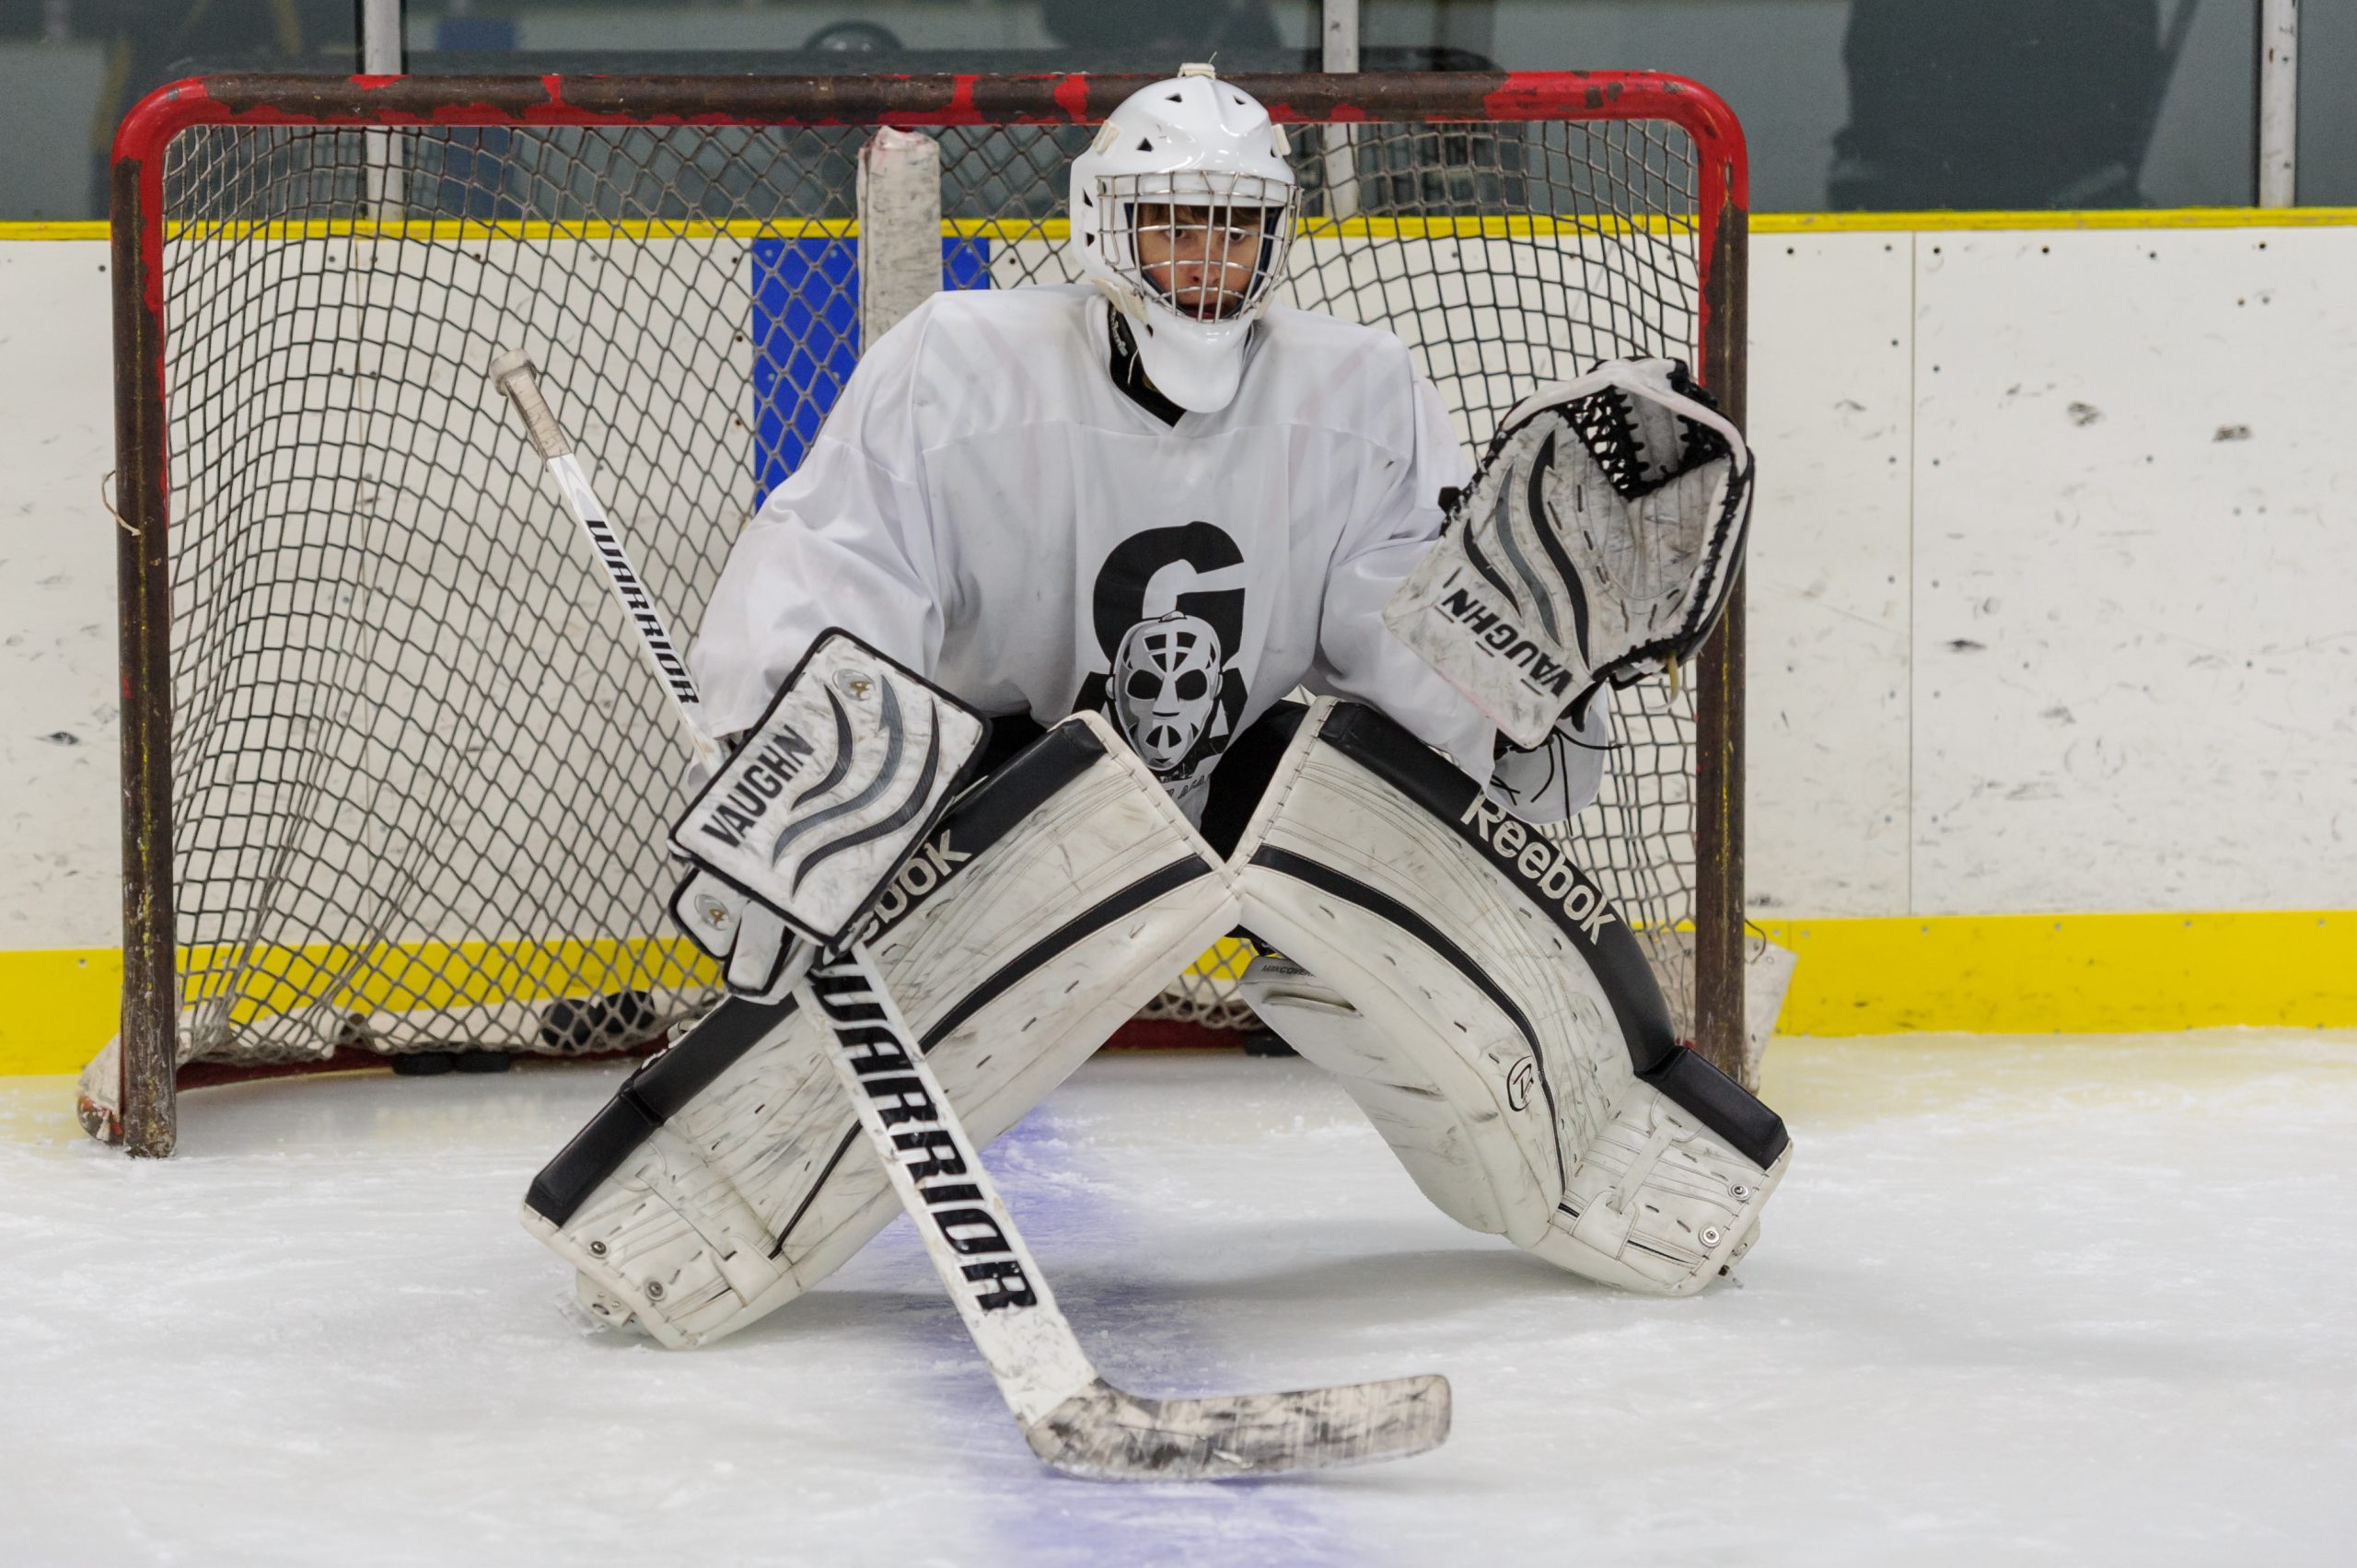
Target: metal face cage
pixel 1210 245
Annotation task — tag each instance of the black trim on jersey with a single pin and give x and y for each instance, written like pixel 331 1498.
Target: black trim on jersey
pixel 1130 376
pixel 1326 879
pixel 668 1082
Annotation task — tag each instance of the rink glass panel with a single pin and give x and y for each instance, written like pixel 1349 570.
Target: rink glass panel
pixel 394 779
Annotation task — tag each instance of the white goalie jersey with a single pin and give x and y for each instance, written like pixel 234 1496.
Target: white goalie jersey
pixel 988 506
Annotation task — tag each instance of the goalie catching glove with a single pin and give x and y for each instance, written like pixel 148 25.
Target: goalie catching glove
pixel 1596 541
pixel 801 831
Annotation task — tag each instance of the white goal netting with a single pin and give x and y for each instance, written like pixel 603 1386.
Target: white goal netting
pixel 416 782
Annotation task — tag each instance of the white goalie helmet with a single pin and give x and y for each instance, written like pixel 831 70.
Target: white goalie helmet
pixel 1166 681
pixel 1200 149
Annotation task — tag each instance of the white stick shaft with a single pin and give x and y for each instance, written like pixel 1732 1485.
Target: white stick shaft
pixel 931 1160
pixel 899 227
pixel 630 592
pixel 2278 102
pixel 513 374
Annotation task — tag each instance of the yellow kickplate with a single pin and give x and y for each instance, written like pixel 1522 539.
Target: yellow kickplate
pixel 2071 973
pixel 1999 974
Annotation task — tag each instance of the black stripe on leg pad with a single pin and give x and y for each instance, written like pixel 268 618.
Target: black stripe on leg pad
pixel 650 1097
pixel 1071 933
pixel 1538 872
pixel 1726 1107
pixel 668 1082
pixel 978 819
pixel 1382 905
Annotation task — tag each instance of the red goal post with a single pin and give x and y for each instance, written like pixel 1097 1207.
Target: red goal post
pixel 323 544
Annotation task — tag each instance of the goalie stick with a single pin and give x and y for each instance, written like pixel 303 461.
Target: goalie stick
pixel 1073 1420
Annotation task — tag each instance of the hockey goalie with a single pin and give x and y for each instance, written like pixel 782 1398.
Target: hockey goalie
pixel 1122 522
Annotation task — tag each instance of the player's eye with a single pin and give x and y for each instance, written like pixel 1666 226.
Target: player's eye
pixel 1143 685
pixel 1194 684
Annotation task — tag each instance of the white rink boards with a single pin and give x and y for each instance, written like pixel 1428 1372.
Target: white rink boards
pixel 2022 1301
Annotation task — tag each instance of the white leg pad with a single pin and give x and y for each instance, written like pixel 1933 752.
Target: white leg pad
pixel 1658 1202
pixel 1483 1003
pixel 729 1176
pixel 1452 1148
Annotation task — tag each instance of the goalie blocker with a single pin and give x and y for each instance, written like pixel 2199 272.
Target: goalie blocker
pixel 1535 1091
pixel 798 833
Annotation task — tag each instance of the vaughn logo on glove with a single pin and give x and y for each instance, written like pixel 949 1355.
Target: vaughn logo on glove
pixel 832 790
pixel 1597 540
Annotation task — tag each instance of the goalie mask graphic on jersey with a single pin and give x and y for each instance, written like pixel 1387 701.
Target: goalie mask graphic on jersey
pixel 1166 687
pixel 1167 608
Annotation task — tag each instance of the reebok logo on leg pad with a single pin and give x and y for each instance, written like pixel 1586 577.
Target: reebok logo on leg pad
pixel 1536 860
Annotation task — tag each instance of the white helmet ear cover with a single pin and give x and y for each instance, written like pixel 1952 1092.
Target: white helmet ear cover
pixel 1192 141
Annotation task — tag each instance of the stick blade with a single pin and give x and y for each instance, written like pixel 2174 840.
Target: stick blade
pixel 1105 1435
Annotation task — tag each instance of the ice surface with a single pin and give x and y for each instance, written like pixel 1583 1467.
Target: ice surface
pixel 2067 1301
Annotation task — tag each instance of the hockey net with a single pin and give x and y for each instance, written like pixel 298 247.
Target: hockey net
pixel 395 785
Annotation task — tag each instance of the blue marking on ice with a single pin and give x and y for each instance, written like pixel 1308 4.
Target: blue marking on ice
pixel 1144 1340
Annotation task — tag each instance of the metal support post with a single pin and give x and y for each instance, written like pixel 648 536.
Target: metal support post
pixel 2279 101
pixel 1339 35
pixel 383 53
pixel 381 46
